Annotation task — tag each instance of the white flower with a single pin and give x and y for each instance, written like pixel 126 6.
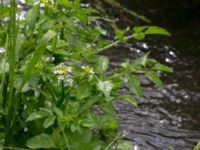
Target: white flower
pixel 2 50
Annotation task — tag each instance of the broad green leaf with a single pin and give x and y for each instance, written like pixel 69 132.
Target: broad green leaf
pixel 41 141
pixel 31 18
pixel 108 108
pixel 102 64
pixel 129 98
pixel 49 121
pixel 81 140
pixel 139 29
pixel 45 39
pixel 162 67
pixel 105 87
pixel 124 145
pixel 57 111
pixel 89 104
pixel 83 90
pixel 36 57
pixel 154 77
pixel 135 85
pixel 37 115
pixel 157 30
pixel 90 121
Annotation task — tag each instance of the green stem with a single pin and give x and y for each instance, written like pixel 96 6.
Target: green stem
pixel 12 34
pixel 112 142
pixel 115 43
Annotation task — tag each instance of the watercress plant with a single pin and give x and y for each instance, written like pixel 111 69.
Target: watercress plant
pixel 56 88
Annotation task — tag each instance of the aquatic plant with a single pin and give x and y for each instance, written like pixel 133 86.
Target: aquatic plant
pixel 56 88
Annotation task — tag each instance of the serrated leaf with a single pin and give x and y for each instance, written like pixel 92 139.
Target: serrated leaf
pixel 49 121
pixel 154 78
pixel 40 141
pixel 37 115
pixel 135 85
pixel 129 98
pixel 162 67
pixel 157 30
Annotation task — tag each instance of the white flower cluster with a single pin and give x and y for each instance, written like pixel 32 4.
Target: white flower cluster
pixel 62 72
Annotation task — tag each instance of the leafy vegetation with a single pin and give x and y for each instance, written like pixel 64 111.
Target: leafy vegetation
pixel 56 88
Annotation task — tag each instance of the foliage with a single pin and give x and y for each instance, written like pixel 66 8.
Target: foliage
pixel 197 147
pixel 56 88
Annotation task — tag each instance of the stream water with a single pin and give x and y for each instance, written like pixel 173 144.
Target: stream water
pixel 167 117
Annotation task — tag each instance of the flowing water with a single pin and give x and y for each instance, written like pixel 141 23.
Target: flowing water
pixel 167 117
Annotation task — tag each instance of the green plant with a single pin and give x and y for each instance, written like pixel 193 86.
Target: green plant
pixel 197 147
pixel 56 88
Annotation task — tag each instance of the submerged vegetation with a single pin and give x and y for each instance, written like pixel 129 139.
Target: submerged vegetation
pixel 57 90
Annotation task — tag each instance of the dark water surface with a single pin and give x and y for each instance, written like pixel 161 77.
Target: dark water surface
pixel 167 117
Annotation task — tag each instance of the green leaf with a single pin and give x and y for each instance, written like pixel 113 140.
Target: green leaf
pixel 108 108
pixel 139 29
pixel 57 111
pixel 120 34
pixel 162 67
pixel 124 145
pixel 36 57
pixel 37 115
pixel 83 90
pixel 113 124
pixel 4 11
pixel 143 60
pixel 102 64
pixel 49 121
pixel 157 30
pixel 4 66
pixel 129 98
pixel 40 141
pixel 105 87
pixel 89 104
pixel 139 36
pixel 31 18
pixel 154 78
pixel 135 85
pixel 197 147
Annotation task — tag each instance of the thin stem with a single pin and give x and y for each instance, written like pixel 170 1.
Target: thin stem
pixel 115 139
pixel 115 43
